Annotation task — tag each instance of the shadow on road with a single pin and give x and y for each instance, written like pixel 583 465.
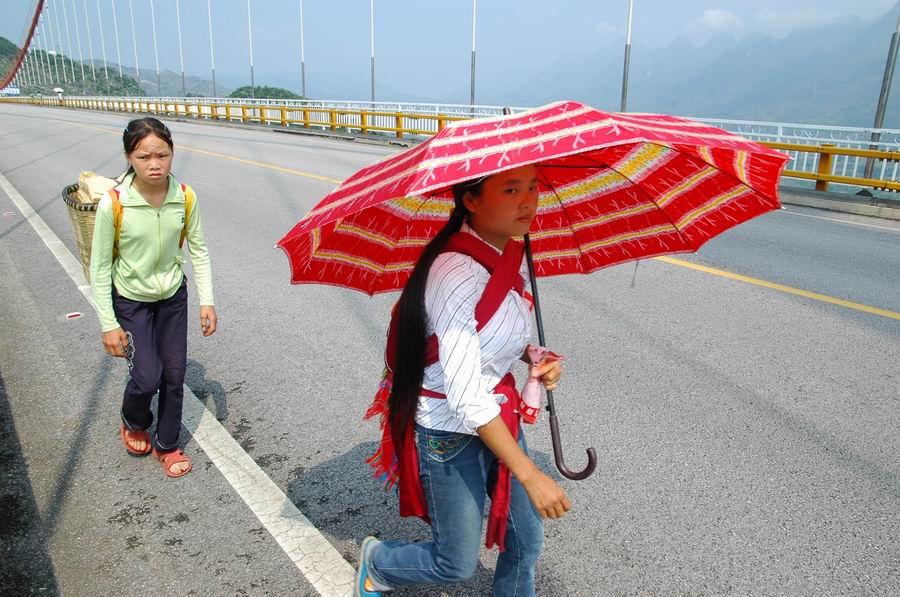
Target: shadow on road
pixel 59 494
pixel 27 568
pixel 204 389
pixel 342 500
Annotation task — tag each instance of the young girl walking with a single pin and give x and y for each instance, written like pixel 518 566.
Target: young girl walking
pixel 452 424
pixel 140 290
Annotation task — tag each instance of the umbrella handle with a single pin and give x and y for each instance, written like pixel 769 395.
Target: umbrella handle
pixel 558 456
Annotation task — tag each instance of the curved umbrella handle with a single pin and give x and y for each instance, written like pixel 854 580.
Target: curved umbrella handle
pixel 558 455
pixel 551 407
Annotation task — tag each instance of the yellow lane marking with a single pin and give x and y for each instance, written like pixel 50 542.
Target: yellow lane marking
pixel 223 156
pixel 671 260
pixel 781 287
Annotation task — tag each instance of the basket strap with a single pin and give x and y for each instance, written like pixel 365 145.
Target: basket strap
pixel 189 198
pixel 117 219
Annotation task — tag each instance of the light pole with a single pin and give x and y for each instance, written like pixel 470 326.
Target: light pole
pixel 212 56
pixel 137 65
pixel 155 49
pixel 302 57
pixel 883 96
pixel 250 39
pixel 180 49
pixel 472 83
pixel 624 104
pixel 372 36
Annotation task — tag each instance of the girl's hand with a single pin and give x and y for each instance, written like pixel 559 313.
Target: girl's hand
pixel 546 495
pixel 549 373
pixel 115 342
pixel 208 320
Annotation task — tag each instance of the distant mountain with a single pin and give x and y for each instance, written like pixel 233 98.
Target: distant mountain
pixel 823 75
pixel 170 82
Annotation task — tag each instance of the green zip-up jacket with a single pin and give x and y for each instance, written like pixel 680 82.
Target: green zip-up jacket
pixel 149 264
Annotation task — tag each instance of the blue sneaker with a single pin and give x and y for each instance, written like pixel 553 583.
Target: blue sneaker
pixel 359 587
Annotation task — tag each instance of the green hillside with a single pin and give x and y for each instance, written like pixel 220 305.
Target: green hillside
pixel 264 92
pixel 72 76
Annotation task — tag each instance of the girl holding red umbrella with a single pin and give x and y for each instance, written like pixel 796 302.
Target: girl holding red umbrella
pixel 453 417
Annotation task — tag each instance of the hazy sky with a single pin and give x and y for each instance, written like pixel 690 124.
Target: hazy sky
pixel 426 39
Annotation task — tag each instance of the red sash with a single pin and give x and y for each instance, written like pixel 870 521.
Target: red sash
pixel 402 468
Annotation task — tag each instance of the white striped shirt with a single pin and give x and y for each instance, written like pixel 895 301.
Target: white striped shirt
pixel 471 363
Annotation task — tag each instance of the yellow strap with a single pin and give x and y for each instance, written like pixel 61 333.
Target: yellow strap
pixel 117 220
pixel 189 198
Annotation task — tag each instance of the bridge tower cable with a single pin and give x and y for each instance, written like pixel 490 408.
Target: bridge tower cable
pixel 56 52
pixel 45 54
pixel 23 67
pixel 38 63
pixel 57 56
pixel 212 55
pixel 78 38
pixel 103 47
pixel 118 51
pixel 90 43
pixel 48 47
pixel 137 65
pixel 30 69
pixel 68 40
pixel 62 56
pixel 39 57
pixel 22 71
pixel 155 48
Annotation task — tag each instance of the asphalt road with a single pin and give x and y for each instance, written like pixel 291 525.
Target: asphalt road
pixel 748 439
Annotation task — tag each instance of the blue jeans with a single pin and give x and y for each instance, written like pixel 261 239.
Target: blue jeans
pixel 457 471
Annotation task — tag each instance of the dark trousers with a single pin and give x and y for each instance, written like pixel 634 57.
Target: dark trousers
pixel 159 337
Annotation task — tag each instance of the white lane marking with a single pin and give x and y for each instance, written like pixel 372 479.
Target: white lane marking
pixel 319 562
pixel 794 213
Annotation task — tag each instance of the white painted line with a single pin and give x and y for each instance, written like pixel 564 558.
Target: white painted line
pixel 794 213
pixel 319 562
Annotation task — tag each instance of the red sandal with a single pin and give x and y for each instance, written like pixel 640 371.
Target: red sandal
pixel 139 435
pixel 174 457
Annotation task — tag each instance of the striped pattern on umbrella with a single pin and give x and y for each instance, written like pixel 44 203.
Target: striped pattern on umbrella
pixel 615 187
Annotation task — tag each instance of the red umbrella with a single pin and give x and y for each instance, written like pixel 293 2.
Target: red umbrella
pixel 615 188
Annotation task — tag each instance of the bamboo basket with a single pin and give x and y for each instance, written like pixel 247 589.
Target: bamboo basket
pixel 82 216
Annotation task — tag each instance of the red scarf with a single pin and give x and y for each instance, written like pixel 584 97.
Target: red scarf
pixel 402 468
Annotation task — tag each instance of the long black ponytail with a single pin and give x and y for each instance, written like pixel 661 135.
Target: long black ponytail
pixel 412 324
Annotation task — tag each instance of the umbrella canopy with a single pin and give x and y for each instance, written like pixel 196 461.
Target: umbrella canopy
pixel 614 188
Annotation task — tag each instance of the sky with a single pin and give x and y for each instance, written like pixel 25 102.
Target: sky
pixel 419 44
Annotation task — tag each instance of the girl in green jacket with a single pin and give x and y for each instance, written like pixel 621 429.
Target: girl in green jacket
pixel 140 290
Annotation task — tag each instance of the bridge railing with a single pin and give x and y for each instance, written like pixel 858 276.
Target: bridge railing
pixel 820 153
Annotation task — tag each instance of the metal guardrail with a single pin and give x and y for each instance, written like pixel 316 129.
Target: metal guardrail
pixel 824 154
